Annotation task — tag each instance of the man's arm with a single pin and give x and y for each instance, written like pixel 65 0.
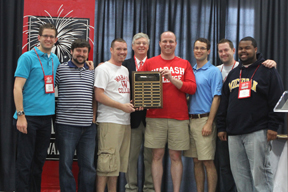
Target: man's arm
pixel 188 85
pixel 275 91
pixel 167 74
pixel 104 99
pixel 94 107
pixel 207 129
pixel 18 100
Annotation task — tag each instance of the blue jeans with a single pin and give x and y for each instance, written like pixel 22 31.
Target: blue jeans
pixel 31 153
pixel 250 162
pixel 225 182
pixel 83 140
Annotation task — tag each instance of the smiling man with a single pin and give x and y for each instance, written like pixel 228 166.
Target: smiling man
pixel 140 46
pixel 246 115
pixel 35 104
pixel 112 91
pixel 170 123
pixel 74 115
pixel 202 110
pixel 226 182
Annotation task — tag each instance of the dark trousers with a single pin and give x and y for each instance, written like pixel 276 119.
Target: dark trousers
pixel 83 139
pixel 225 182
pixel 31 153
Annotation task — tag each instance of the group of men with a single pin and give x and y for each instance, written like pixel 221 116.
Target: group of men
pixel 246 102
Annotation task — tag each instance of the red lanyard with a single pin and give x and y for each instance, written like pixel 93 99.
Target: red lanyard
pixel 251 76
pixel 232 66
pixel 42 65
pixel 136 65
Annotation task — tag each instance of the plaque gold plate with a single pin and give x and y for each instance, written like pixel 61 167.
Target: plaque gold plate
pixel 147 89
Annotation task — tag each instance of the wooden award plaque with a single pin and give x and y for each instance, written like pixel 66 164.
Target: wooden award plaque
pixel 147 89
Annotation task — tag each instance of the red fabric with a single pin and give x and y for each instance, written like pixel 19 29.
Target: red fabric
pixel 50 176
pixel 79 8
pixel 174 100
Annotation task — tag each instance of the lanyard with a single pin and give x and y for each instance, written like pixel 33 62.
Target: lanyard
pixel 251 76
pixel 42 65
pixel 136 65
pixel 232 66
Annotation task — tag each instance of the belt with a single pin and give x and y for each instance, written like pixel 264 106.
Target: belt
pixel 198 116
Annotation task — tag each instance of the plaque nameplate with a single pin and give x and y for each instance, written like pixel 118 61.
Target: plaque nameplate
pixel 147 89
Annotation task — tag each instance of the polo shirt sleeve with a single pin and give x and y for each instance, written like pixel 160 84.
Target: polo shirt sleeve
pixel 23 66
pixel 216 82
pixel 101 77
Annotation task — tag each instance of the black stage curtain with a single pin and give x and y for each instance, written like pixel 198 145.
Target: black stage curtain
pixel 265 20
pixel 11 25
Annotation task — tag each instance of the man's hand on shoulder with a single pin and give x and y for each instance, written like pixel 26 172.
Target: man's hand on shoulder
pixel 22 124
pixel 90 65
pixel 269 63
pixel 271 135
pixel 222 136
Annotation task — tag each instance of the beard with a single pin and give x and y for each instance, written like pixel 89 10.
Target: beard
pixel 78 61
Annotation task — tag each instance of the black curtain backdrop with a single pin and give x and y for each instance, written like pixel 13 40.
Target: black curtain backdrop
pixel 266 20
pixel 11 25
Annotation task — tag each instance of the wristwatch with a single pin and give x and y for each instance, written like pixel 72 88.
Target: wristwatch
pixel 19 113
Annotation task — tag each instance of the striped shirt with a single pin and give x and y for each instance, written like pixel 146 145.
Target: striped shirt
pixel 75 94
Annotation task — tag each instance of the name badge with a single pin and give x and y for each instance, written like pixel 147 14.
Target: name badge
pixel 49 84
pixel 244 90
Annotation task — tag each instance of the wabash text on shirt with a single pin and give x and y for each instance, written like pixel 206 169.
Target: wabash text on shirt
pixel 176 72
pixel 124 83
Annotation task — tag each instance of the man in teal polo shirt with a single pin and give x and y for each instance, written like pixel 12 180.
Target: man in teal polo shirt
pixel 202 110
pixel 35 104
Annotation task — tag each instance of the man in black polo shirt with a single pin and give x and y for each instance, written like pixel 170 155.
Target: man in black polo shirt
pixel 74 116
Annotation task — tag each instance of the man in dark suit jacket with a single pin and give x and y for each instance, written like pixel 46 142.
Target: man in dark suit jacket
pixel 140 46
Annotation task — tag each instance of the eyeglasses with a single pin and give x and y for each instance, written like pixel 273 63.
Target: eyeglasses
pixel 139 43
pixel 200 48
pixel 46 36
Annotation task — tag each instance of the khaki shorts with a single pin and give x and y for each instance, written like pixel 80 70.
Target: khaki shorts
pixel 159 131
pixel 201 147
pixel 113 148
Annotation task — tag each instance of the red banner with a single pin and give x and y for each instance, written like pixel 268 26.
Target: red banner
pixel 73 19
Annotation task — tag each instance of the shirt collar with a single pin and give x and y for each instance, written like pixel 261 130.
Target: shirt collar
pixel 206 66
pixel 40 53
pixel 138 61
pixel 72 65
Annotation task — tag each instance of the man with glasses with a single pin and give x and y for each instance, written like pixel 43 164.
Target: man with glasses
pixel 35 104
pixel 202 110
pixel 140 46
pixel 170 123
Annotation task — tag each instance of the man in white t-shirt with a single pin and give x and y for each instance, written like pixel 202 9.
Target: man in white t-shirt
pixel 226 182
pixel 112 91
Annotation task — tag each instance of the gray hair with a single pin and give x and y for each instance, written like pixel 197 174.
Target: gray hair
pixel 140 35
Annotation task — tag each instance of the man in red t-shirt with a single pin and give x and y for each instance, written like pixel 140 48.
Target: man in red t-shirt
pixel 170 123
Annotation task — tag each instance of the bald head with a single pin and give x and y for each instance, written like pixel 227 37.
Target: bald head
pixel 167 33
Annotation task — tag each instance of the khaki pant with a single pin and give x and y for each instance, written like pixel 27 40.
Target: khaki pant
pixel 201 147
pixel 113 149
pixel 137 136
